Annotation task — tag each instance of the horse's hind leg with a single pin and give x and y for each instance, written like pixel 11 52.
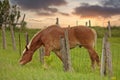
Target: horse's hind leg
pixel 93 56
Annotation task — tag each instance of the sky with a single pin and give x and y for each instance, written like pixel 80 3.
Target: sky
pixel 42 13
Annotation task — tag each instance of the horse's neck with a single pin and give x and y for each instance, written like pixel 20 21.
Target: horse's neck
pixel 35 42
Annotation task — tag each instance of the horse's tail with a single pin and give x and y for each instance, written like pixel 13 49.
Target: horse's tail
pixel 95 38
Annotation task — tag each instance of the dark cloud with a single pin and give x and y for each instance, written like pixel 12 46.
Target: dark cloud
pixel 65 14
pixel 111 3
pixel 51 14
pixel 40 6
pixel 44 13
pixel 106 9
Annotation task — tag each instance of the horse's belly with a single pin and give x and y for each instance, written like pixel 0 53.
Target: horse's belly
pixel 55 45
pixel 74 44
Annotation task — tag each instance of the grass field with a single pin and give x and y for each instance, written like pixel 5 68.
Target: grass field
pixel 11 70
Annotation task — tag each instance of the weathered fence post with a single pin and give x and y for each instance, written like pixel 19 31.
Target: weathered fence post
pixel 57 21
pixel 109 28
pixel 19 34
pixel 86 23
pixel 89 23
pixel 65 50
pixel 41 54
pixel 22 22
pixel 13 37
pixel 109 60
pixel 3 37
pixel 106 59
pixel 19 44
pixel 103 57
pixel 27 38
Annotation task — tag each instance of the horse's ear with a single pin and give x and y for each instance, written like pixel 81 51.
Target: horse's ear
pixel 26 48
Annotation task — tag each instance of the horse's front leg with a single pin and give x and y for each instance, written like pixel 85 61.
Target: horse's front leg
pixel 59 55
pixel 46 56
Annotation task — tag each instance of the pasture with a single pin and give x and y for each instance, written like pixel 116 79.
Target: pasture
pixel 11 70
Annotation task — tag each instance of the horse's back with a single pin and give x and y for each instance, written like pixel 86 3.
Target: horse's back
pixel 51 36
pixel 84 35
pixel 78 35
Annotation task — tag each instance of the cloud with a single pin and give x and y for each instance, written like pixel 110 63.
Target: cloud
pixel 111 3
pixel 44 13
pixel 64 14
pixel 40 6
pixel 105 9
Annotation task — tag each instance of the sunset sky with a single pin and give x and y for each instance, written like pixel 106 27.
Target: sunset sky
pixel 40 13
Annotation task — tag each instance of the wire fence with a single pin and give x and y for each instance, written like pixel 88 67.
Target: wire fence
pixel 81 62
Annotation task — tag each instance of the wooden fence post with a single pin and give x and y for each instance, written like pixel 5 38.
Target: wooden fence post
pixel 89 23
pixel 103 58
pixel 86 23
pixel 3 37
pixel 62 51
pixel 41 54
pixel 13 37
pixel 57 21
pixel 19 34
pixel 65 50
pixel 109 28
pixel 22 22
pixel 106 59
pixel 109 60
pixel 27 38
pixel 19 44
pixel 68 26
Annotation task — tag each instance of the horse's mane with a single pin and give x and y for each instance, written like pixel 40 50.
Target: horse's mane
pixel 45 28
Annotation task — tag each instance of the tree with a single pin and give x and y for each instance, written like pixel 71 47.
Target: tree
pixel 9 14
pixel 4 7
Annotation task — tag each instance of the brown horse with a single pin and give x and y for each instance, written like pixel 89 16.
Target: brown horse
pixel 50 39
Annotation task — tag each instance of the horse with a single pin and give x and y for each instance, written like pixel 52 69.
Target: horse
pixel 50 39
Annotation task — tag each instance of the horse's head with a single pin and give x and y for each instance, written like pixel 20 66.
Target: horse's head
pixel 26 57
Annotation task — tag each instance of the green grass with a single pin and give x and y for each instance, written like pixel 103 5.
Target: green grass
pixel 11 70
pixel 101 31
